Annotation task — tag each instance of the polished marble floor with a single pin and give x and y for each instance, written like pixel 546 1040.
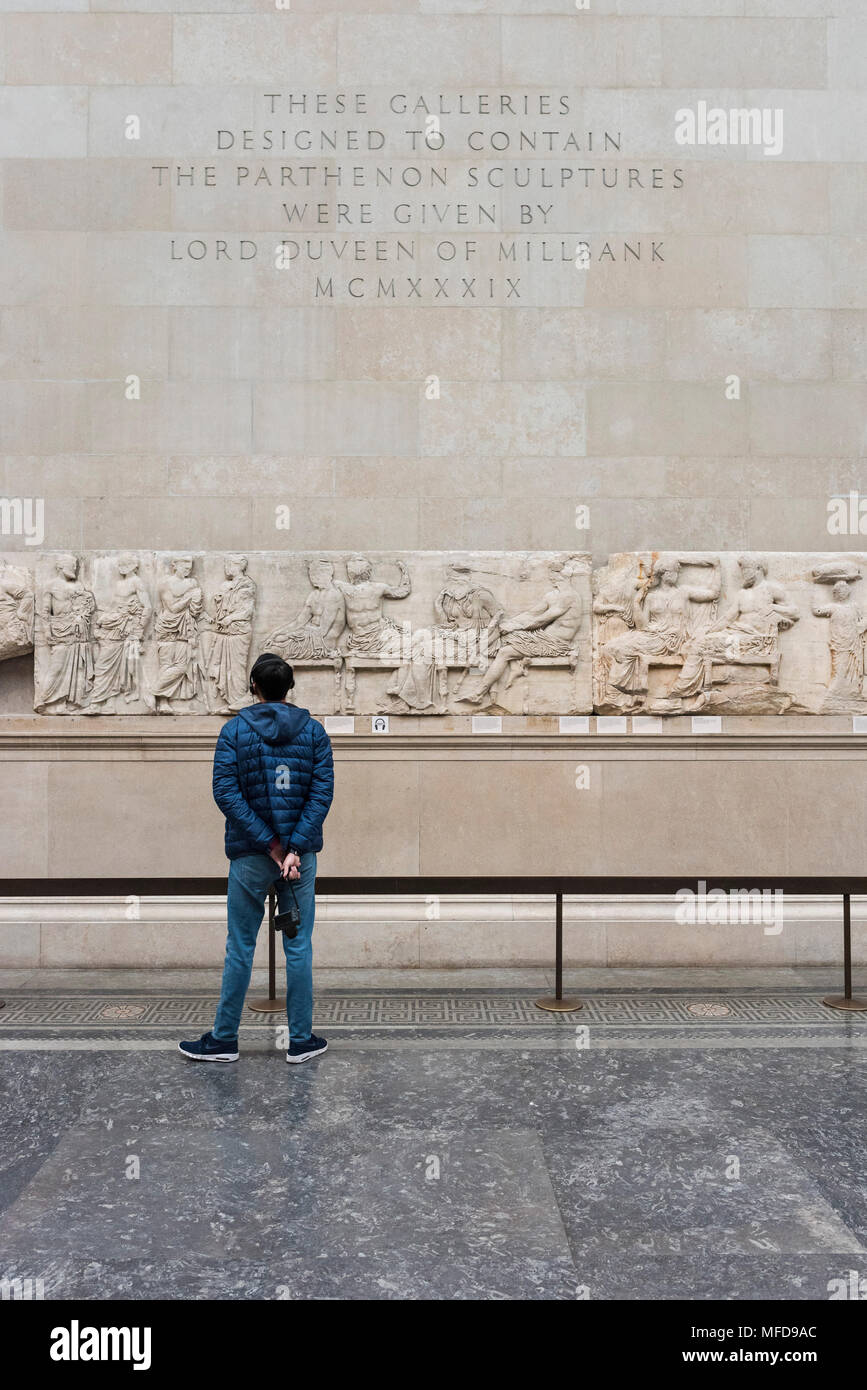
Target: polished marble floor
pixel 702 1138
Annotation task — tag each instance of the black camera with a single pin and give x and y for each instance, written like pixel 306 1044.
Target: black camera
pixel 289 922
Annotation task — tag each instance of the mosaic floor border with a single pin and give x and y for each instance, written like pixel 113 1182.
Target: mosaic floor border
pixel 428 1010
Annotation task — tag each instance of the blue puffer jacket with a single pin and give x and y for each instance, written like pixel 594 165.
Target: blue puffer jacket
pixel 273 775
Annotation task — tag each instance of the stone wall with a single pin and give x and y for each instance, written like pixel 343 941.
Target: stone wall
pixel 542 289
pixel 134 799
pixel 606 385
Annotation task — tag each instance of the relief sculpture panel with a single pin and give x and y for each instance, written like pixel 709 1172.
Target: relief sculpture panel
pixel 739 634
pixel 17 605
pixel 425 633
pixel 433 634
pixel 142 633
pixel 374 633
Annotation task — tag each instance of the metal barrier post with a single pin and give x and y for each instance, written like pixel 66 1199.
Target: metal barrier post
pixel 845 1000
pixel 271 1005
pixel 557 1004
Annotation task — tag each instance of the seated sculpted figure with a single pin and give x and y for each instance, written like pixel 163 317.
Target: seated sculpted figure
pixel 466 635
pixel 546 629
pixel 660 613
pixel 313 634
pixel 370 631
pixel 749 629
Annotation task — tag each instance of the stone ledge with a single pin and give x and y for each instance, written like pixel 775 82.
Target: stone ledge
pixel 29 735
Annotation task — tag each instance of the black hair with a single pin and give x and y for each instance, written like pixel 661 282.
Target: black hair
pixel 272 675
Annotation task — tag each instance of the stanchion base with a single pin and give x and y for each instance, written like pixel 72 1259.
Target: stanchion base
pixel 267 1006
pixel 559 1006
pixel 839 1001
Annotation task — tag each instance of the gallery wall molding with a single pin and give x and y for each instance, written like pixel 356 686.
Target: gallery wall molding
pixel 467 930
pixel 31 741
pixel 476 908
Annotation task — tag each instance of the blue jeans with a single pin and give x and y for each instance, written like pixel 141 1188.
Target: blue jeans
pixel 249 880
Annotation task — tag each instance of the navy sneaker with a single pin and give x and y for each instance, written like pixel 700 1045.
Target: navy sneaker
pixel 303 1051
pixel 207 1048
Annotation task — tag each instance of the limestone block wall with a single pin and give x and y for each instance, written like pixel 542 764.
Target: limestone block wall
pixel 437 276
pixel 607 385
pixel 84 800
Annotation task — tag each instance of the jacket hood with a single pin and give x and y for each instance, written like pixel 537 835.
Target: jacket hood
pixel 274 721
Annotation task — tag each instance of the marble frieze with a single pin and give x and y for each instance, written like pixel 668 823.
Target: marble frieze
pixel 771 633
pixel 425 632
pixel 17 602
pixel 369 633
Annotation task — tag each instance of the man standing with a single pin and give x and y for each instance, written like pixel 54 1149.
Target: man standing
pixel 274 782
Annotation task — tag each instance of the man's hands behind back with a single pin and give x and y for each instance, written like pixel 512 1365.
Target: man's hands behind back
pixel 291 866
